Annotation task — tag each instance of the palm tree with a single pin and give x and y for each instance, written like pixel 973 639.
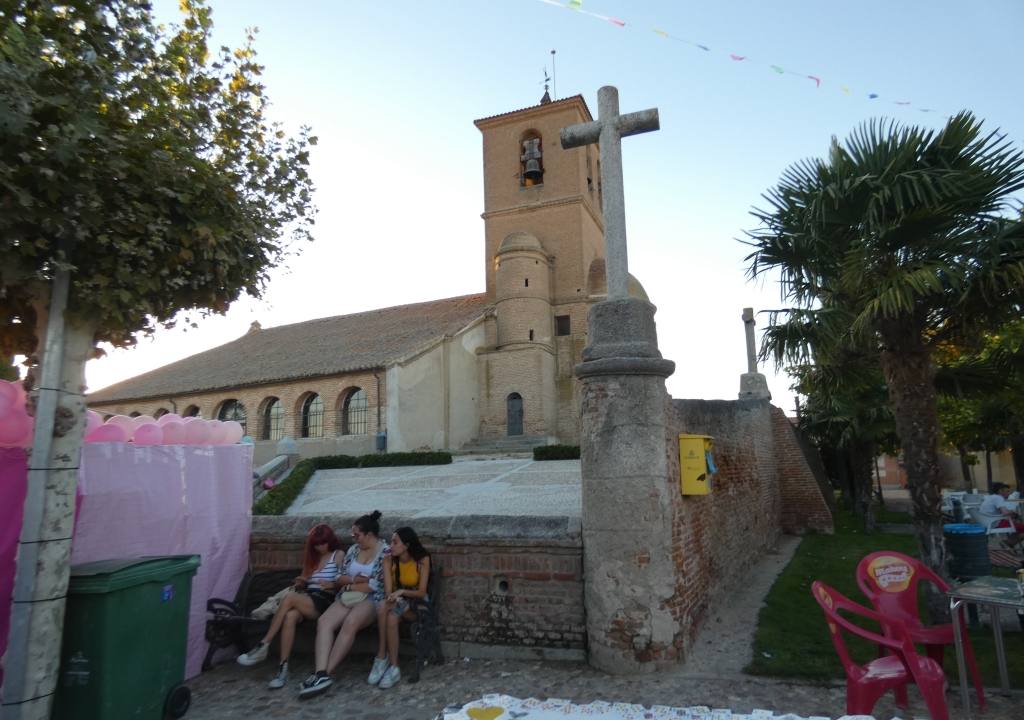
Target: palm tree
pixel 898 241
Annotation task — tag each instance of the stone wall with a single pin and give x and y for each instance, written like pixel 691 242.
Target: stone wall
pixel 510 587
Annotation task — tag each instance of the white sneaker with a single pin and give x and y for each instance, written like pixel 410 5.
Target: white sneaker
pixel 280 679
pixel 380 665
pixel 257 655
pixel 391 677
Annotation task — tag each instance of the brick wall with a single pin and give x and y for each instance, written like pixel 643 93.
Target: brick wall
pixel 804 489
pixel 332 390
pixel 716 538
pixel 509 582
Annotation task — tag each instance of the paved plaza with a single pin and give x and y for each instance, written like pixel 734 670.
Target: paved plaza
pixel 712 676
pixel 511 486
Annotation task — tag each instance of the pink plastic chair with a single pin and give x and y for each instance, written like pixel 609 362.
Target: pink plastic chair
pixel 865 684
pixel 889 580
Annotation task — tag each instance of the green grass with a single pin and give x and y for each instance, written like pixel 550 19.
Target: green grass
pixel 791 639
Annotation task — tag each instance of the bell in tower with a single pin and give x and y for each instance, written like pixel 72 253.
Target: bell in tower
pixel 532 170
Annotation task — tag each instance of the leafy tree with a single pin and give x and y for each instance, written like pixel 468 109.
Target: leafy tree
pixel 900 241
pixel 142 162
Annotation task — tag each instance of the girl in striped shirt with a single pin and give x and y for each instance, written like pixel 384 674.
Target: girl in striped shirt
pixel 314 592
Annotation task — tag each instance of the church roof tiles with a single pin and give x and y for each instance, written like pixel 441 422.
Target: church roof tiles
pixel 314 348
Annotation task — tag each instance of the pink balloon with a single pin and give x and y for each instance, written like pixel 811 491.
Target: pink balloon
pixel 124 421
pixel 168 417
pixel 140 420
pixel 92 421
pixel 108 432
pixel 15 429
pixel 218 432
pixel 19 394
pixel 196 433
pixel 173 432
pixel 8 396
pixel 148 434
pixel 233 432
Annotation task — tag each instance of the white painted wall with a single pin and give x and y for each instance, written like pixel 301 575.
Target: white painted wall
pixel 431 398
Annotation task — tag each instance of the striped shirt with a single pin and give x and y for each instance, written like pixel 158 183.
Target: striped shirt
pixel 328 573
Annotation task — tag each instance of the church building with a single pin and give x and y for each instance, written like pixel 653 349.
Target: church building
pixel 447 374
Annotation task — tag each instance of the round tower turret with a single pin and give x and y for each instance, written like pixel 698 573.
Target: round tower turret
pixel 522 291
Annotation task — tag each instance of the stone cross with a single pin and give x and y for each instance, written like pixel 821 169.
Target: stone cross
pixel 748 322
pixel 608 130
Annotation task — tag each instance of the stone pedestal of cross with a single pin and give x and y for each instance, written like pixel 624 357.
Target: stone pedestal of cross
pixel 627 514
pixel 753 385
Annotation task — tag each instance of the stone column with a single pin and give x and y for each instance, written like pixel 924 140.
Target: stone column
pixel 753 385
pixel 627 518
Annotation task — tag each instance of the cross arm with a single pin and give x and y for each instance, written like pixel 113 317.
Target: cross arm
pixel 580 135
pixel 638 122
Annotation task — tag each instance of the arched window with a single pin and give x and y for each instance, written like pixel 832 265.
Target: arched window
pixel 353 420
pixel 191 411
pixel 273 420
pixel 313 416
pixel 160 412
pixel 531 160
pixel 232 410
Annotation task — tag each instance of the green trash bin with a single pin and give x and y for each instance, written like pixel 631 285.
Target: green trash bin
pixel 125 637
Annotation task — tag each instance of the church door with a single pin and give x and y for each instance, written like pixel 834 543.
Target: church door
pixel 514 402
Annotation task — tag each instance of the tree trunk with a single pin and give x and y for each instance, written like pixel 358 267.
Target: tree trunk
pixel 860 462
pixel 965 467
pixel 988 470
pixel 909 373
pixel 32 660
pixel 1017 448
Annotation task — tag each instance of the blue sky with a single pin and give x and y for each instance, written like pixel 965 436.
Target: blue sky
pixel 392 90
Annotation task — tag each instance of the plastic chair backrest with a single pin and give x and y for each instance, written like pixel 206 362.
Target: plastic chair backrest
pixel 889 579
pixel 832 602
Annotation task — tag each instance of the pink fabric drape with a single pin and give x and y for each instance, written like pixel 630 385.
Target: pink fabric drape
pixel 13 477
pixel 170 500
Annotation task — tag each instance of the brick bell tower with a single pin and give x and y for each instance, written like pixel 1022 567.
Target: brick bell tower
pixel 544 265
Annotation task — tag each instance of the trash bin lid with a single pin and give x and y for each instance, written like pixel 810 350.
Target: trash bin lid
pixel 963 529
pixel 104 576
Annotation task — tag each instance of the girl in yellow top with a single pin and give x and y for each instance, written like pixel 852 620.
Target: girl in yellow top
pixel 406 572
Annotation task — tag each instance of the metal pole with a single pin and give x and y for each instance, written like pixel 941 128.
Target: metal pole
pixel 958 642
pixel 30 543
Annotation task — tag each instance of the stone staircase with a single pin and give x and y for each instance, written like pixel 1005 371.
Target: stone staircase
pixel 514 445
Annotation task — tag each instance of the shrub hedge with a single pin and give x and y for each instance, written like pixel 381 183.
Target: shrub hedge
pixel 556 452
pixel 279 498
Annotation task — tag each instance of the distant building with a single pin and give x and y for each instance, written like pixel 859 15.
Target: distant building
pixel 443 374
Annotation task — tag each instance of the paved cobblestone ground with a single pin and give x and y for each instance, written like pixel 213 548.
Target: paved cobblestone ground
pixel 230 691
pixel 711 677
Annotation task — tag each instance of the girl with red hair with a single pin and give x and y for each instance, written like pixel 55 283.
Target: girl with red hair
pixel 314 592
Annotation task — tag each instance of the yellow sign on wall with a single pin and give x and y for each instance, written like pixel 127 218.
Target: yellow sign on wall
pixel 694 475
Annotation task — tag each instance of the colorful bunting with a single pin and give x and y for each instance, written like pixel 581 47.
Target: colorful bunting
pixel 577 5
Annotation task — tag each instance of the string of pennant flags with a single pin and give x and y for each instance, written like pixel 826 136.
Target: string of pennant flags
pixel 577 7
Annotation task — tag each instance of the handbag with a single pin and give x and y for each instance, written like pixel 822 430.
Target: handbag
pixel 352 597
pixel 270 606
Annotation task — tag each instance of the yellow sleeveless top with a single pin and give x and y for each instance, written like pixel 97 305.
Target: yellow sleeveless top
pixel 408 574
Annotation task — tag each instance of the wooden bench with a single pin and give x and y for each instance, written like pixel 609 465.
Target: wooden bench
pixel 229 623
